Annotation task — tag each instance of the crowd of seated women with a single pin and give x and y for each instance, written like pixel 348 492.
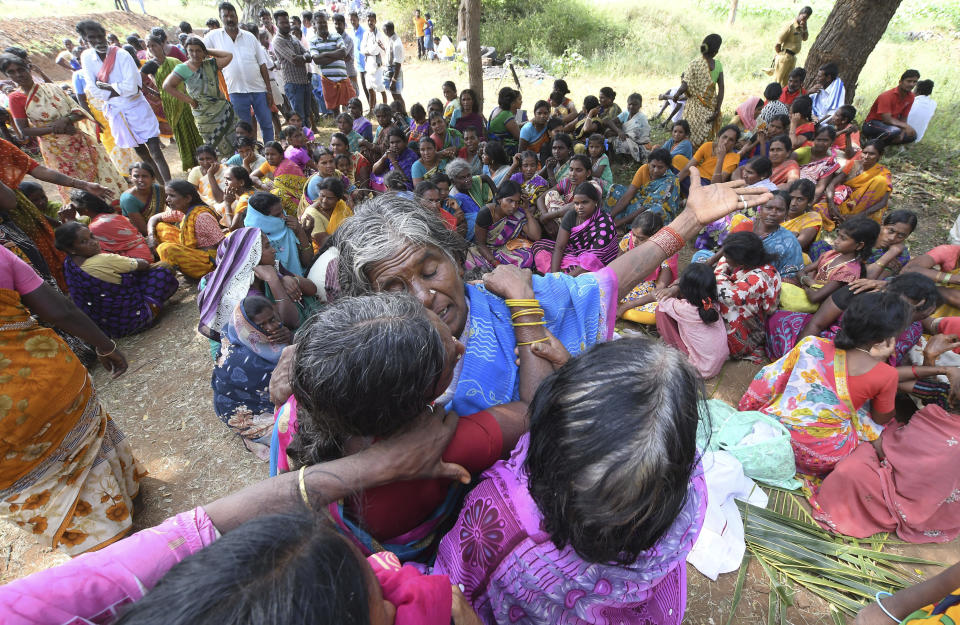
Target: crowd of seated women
pixel 472 269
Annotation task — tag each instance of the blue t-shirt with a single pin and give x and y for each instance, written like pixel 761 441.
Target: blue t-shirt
pixel 530 134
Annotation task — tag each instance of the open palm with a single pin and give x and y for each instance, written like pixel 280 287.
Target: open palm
pixel 713 201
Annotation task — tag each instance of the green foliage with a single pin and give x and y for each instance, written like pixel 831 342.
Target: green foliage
pixel 564 64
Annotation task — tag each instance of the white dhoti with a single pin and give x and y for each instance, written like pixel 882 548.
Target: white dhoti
pixel 132 121
pixel 375 80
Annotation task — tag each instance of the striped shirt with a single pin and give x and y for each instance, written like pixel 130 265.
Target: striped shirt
pixel 335 70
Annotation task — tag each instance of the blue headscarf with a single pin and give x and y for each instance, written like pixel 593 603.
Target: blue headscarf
pixel 282 238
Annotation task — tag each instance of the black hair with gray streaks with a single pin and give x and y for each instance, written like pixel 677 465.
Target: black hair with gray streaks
pixel 610 470
pixel 365 366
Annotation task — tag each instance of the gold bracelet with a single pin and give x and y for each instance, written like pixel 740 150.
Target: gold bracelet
pixel 530 323
pixel 939 279
pixel 527 311
pixel 546 338
pixel 108 353
pixel 303 487
pixel 513 303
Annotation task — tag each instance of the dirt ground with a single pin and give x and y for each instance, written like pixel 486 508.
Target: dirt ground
pixel 163 403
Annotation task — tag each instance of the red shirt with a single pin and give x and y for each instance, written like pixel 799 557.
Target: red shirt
pixel 949 325
pixel 878 385
pixel 787 98
pixel 392 510
pixel 894 102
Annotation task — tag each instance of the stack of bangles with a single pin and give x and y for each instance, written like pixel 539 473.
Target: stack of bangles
pixel 668 240
pixel 943 278
pixel 528 307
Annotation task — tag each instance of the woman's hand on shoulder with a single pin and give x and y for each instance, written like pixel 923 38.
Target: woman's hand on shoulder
pixel 510 282
pixel 416 454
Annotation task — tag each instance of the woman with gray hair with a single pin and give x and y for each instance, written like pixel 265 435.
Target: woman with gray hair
pixel 393 244
pixel 472 192
pixel 592 517
pixel 354 354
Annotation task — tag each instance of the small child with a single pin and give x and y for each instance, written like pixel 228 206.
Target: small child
pixel 419 125
pixel 833 269
pixel 596 149
pixel 344 165
pixel 296 148
pixel 246 156
pixel 557 107
pixel 38 196
pixel 296 121
pixel 245 129
pixel 640 304
pixel 692 323
pixel 532 184
pixel 470 151
pixel 447 203
pixel 97 285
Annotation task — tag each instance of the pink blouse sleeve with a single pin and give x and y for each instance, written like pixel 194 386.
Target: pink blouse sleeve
pixel 16 275
pixel 93 587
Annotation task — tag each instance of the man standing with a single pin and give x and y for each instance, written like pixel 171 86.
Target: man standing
pixel 360 60
pixel 246 75
pixel 788 46
pixel 112 76
pixel 887 119
pixel 393 76
pixel 340 25
pixel 374 48
pixel 266 21
pixel 67 59
pixel 419 23
pixel 292 58
pixel 329 52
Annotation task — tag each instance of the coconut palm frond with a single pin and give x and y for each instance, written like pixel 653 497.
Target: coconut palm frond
pixel 794 551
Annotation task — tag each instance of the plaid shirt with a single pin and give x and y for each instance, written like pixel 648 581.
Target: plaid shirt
pixel 286 48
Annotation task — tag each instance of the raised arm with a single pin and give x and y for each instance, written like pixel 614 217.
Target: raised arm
pixel 705 204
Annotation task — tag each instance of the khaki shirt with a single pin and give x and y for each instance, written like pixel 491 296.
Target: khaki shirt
pixel 791 37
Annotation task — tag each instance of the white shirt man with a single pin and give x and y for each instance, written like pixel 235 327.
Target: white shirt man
pixel 920 114
pixel 374 48
pixel 242 74
pixel 132 121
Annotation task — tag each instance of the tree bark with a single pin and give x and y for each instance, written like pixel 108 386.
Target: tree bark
pixel 461 22
pixel 475 65
pixel 849 35
pixel 733 11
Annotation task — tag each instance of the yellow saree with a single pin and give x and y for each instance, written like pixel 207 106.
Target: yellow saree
pixel 178 245
pixel 66 473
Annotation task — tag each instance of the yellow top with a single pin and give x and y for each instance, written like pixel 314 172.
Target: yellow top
pixel 109 267
pixel 791 37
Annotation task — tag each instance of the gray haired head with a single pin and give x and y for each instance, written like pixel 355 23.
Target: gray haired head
pixel 381 228
pixel 457 167
pixel 365 366
pixel 610 461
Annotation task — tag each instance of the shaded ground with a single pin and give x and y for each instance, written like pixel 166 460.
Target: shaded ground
pixel 163 403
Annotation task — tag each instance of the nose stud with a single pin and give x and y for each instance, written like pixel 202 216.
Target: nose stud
pixel 433 292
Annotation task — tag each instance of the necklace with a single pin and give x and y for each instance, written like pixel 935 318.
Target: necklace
pixel 865 351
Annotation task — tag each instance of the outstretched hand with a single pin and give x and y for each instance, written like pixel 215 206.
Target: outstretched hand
pixel 713 201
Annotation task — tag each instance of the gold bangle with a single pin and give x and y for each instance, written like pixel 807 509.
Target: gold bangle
pixel 303 487
pixel 512 303
pixel 530 323
pixel 939 278
pixel 532 342
pixel 108 353
pixel 527 311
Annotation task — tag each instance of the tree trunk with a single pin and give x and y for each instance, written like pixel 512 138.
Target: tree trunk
pixel 849 35
pixel 475 65
pixel 733 11
pixel 461 22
